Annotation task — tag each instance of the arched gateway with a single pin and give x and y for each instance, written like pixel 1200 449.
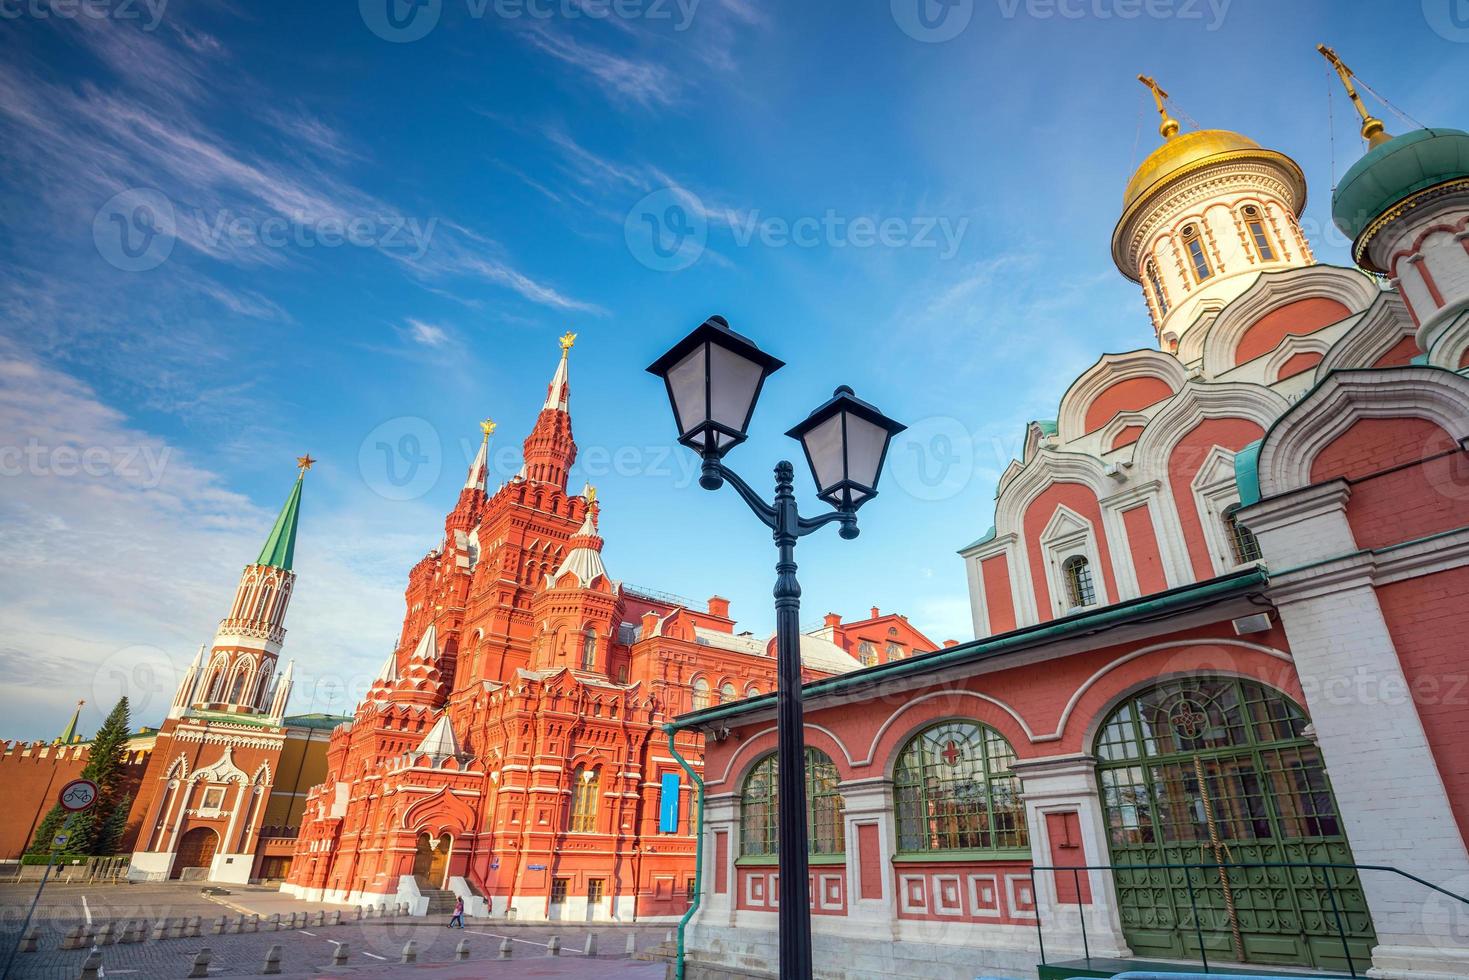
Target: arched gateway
pixel 196 851
pixel 431 860
pixel 1219 771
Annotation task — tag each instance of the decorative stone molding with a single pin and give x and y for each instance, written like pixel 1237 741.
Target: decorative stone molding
pixel 1268 292
pixel 1109 370
pixel 1382 325
pixel 1291 446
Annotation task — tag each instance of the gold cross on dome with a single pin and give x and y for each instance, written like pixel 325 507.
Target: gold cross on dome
pixel 488 428
pixel 1169 127
pixel 566 341
pixel 303 463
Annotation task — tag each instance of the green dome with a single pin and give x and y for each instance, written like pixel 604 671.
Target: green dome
pixel 1395 171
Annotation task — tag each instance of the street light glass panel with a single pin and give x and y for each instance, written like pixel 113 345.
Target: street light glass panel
pixel 714 377
pixel 846 441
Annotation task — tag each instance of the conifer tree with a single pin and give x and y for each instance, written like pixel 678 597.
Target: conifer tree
pixel 98 829
pixel 106 769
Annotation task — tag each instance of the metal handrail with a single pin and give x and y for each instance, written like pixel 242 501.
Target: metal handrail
pixel 1077 869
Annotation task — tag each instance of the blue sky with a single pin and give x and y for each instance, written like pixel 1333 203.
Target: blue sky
pixel 920 208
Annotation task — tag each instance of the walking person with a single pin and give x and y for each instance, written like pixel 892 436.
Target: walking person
pixel 458 913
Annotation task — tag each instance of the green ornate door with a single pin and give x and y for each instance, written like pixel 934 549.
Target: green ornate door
pixel 1217 770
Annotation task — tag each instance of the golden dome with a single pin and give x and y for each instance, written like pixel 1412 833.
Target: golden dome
pixel 1186 151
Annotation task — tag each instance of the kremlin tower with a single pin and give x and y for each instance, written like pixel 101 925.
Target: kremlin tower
pixel 206 797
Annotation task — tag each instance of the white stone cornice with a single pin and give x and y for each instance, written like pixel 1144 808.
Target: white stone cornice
pixel 1344 398
pixel 1109 370
pixel 1270 291
pixel 1381 326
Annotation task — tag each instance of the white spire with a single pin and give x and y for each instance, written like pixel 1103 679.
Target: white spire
pixel 188 690
pixel 428 645
pixel 389 673
pixel 583 562
pixel 283 686
pixel 558 395
pixel 476 479
pixel 439 744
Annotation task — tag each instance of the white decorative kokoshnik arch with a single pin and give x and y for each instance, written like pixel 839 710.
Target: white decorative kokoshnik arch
pixel 1344 398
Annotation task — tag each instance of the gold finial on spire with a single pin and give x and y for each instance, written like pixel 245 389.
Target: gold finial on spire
pixel 566 341
pixel 303 463
pixel 488 428
pixel 1169 127
pixel 1373 131
pixel 590 492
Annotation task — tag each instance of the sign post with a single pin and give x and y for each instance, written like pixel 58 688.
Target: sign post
pixel 75 797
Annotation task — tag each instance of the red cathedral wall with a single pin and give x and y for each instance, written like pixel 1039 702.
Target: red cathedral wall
pixel 1188 456
pixel 997 600
pixel 1125 396
pixel 1428 620
pixel 1038 515
pixel 1301 317
pixel 1142 542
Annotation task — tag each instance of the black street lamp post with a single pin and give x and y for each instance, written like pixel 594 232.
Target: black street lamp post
pixel 714 376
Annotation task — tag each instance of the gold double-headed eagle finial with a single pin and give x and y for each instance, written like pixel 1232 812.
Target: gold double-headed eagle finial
pixel 1169 127
pixel 303 463
pixel 566 341
pixel 1373 131
pixel 591 494
pixel 488 428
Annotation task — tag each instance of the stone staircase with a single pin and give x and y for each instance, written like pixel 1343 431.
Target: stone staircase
pixel 440 901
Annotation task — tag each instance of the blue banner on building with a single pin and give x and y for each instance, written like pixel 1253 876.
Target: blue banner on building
pixel 668 804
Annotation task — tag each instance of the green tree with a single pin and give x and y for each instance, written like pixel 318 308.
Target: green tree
pixel 50 826
pixel 98 829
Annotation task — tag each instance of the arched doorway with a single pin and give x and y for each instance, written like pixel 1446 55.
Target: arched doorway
pixel 196 850
pixel 431 860
pixel 1217 770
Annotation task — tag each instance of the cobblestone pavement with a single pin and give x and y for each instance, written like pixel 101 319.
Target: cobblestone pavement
pixel 374 946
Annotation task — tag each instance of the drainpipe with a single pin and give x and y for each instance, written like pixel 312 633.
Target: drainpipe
pixel 698 850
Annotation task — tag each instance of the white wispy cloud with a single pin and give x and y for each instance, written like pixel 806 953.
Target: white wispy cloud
pixel 427 334
pixel 119 555
pixel 645 82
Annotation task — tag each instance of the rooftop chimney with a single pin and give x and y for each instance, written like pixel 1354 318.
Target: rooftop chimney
pixel 876 612
pixel 833 620
pixel 719 606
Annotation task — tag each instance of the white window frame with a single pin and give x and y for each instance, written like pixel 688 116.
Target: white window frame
pixel 1068 534
pixel 1214 492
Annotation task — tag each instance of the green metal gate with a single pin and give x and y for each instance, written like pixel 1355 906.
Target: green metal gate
pixel 1218 770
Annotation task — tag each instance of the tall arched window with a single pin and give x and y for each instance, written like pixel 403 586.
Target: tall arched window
pixel 825 808
pixel 1255 222
pixel 954 790
pixel 727 693
pixel 701 693
pixel 1197 257
pixel 867 653
pixel 1241 539
pixel 1155 283
pixel 589 649
pixel 586 785
pixel 237 686
pixel 1076 572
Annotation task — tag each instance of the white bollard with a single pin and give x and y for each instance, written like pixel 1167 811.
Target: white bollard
pixel 591 948
pixel 201 964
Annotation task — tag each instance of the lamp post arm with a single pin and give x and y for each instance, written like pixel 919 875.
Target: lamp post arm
pixel 716 473
pixel 848 520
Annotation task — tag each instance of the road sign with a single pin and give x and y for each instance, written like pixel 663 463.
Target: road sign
pixel 79 794
pixel 60 840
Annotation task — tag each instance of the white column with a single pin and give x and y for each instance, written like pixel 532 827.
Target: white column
pixel 1068 784
pixel 869 802
pixel 1387 784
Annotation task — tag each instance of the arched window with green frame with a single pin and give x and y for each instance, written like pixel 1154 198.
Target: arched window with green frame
pixel 825 808
pixel 954 790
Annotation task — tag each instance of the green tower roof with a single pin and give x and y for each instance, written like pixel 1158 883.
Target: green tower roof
pixel 280 547
pixel 1395 171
